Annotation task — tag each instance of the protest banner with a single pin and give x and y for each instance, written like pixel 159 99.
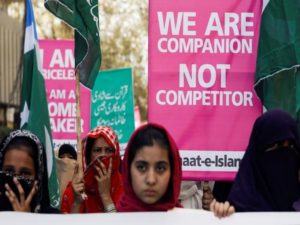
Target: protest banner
pixel 112 102
pixel 201 71
pixel 174 217
pixel 59 75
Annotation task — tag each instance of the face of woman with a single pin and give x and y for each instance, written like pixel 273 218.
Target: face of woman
pixel 150 173
pixel 66 156
pixel 19 162
pixel 101 148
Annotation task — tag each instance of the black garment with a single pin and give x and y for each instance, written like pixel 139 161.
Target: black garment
pixel 40 202
pixel 67 148
pixel 267 179
pixel 221 190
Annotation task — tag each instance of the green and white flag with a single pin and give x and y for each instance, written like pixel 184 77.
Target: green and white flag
pixel 277 80
pixel 34 107
pixel 82 15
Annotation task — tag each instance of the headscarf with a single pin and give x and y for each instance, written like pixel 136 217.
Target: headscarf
pixel 93 202
pixel 41 198
pixel 101 131
pixel 129 201
pixel 67 149
pixel 268 180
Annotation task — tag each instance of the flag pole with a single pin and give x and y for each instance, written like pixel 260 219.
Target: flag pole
pixel 78 120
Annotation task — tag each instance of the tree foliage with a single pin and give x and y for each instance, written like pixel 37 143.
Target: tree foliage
pixel 123 34
pixel 124 41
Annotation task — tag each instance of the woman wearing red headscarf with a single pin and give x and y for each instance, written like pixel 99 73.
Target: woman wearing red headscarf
pixel 101 186
pixel 151 171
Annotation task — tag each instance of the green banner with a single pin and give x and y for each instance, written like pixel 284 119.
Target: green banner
pixel 112 102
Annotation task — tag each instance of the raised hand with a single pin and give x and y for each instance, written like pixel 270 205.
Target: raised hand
pixel 22 205
pixel 103 178
pixel 78 185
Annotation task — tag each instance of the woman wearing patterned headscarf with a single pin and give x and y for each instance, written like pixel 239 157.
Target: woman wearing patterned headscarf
pixel 101 186
pixel 24 180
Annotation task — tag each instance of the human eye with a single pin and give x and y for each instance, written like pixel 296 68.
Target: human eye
pixel 26 174
pixel 96 149
pixel 141 166
pixel 161 167
pixel 9 171
pixel 109 150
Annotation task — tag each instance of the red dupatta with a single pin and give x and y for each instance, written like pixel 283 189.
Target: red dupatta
pixel 93 203
pixel 129 201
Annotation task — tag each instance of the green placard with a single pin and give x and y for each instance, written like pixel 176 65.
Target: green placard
pixel 112 102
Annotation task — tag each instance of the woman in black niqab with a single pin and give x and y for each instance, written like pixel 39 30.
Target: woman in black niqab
pixel 268 177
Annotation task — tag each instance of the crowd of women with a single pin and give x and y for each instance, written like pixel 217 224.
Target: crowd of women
pixel 149 177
